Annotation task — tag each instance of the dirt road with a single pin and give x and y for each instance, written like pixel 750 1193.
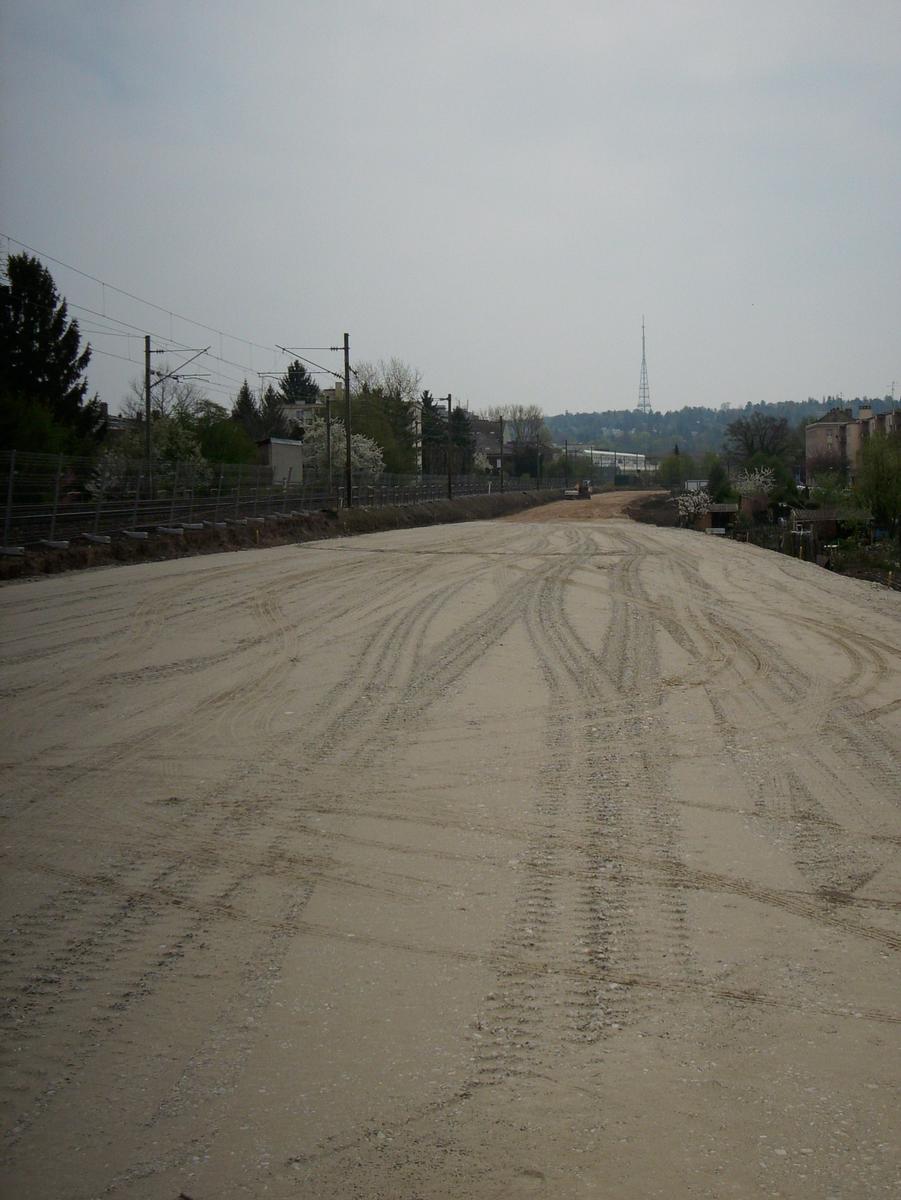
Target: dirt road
pixel 602 507
pixel 515 858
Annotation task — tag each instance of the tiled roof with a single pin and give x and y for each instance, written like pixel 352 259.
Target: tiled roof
pixel 830 514
pixel 835 416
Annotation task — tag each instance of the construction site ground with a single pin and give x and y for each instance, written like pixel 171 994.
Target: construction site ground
pixel 548 856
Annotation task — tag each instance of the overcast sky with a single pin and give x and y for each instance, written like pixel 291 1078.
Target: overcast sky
pixel 493 192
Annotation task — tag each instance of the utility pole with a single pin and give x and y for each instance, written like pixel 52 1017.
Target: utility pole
pixel 566 463
pixel 348 471
pixel 147 474
pixel 450 478
pixel 500 432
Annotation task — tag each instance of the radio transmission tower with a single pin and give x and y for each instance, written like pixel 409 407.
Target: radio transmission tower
pixel 644 392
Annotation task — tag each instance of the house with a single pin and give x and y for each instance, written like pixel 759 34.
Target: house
pixel 834 442
pixel 756 507
pixel 827 523
pixel 487 436
pixel 718 518
pixel 285 457
pixel 300 415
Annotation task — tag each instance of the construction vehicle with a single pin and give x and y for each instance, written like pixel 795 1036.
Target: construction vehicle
pixel 582 492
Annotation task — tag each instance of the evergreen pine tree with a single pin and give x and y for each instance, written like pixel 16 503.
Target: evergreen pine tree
pixel 297 385
pixel 273 422
pixel 246 412
pixel 42 364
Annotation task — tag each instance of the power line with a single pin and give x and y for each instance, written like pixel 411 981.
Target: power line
pixel 249 369
pixel 177 345
pixel 318 366
pixel 105 333
pixel 109 354
pixel 131 296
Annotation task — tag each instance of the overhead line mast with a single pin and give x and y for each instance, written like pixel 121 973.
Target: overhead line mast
pixel 644 393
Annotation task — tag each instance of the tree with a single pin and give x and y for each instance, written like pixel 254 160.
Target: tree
pixel 758 436
pixel 434 436
pixel 246 412
pixel 878 482
pixel 830 489
pixel 718 482
pixel 829 463
pixel 174 449
pixel 223 440
pixel 297 385
pixel 757 481
pixel 181 403
pixel 524 427
pixel 393 378
pixel 272 419
pixel 170 396
pixel 463 441
pixel 692 505
pixel 43 365
pixel 385 407
pixel 675 469
pixel 365 455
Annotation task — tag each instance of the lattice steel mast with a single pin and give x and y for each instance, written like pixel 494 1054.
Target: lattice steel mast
pixel 644 393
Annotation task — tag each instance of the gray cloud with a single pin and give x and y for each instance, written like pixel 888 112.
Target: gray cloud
pixel 494 192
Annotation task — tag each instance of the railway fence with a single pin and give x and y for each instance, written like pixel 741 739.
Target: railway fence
pixel 51 500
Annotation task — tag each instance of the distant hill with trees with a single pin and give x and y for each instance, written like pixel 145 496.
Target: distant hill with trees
pixel 695 430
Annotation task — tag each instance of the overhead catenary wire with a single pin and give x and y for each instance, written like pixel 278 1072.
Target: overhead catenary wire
pixel 132 296
pixel 309 361
pixel 246 368
pixel 110 354
pixel 102 315
pixel 176 346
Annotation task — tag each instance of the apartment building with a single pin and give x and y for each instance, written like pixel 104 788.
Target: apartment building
pixel 834 443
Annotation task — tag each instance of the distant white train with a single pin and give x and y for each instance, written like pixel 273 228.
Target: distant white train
pixel 621 460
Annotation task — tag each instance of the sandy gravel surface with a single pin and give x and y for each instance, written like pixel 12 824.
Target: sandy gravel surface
pixel 506 859
pixel 602 507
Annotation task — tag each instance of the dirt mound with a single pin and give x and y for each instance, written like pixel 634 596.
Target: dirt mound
pixel 654 509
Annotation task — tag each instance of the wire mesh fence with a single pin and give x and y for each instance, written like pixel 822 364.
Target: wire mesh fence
pixel 50 498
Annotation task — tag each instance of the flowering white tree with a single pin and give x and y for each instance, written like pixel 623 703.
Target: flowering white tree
pixel 758 481
pixel 365 455
pixel 692 504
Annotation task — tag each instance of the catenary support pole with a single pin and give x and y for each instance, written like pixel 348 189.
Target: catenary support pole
pixel 56 483
pixel 134 514
pixel 147 408
pixel 218 495
pixel 500 435
pixel 450 466
pixel 328 444
pixel 174 493
pixel 348 466
pixel 7 520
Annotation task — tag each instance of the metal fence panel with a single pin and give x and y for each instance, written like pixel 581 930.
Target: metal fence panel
pixel 59 497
